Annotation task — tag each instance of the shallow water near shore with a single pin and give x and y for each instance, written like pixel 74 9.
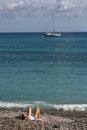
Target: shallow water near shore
pixel 45 72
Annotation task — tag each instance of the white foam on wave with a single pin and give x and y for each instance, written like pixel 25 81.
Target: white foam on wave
pixel 19 105
pixel 13 105
pixel 71 107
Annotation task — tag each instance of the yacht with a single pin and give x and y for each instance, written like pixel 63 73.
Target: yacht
pixel 51 34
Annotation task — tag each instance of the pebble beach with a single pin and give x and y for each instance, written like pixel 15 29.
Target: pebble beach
pixel 51 120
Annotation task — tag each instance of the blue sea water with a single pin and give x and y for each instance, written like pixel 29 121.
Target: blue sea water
pixel 49 71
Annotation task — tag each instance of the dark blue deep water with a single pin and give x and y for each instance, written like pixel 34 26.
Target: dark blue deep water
pixel 44 71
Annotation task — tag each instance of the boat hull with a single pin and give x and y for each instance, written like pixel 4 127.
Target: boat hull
pixel 51 35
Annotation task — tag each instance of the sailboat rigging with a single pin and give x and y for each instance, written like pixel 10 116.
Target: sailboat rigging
pixel 52 34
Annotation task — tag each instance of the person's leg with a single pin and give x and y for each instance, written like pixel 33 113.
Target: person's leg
pixel 29 111
pixel 37 114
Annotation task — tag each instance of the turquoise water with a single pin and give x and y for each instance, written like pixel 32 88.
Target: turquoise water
pixel 49 72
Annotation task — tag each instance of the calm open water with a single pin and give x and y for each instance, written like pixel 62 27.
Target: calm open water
pixel 49 72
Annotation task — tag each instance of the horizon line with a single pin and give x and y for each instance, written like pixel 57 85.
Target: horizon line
pixel 45 31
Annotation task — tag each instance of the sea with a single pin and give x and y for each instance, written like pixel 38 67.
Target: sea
pixel 49 72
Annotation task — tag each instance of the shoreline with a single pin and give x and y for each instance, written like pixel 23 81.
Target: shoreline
pixel 51 120
pixel 42 105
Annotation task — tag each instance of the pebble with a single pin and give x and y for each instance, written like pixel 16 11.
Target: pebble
pixel 56 120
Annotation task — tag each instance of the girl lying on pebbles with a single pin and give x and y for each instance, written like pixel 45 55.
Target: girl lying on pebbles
pixel 31 116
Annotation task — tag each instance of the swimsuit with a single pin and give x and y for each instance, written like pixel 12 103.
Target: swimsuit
pixel 32 117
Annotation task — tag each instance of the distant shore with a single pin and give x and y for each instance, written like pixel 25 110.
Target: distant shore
pixel 51 120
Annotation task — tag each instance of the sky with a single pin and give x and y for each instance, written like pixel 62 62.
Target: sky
pixel 38 15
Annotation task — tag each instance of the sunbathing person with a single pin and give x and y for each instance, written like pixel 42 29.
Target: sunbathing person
pixel 31 116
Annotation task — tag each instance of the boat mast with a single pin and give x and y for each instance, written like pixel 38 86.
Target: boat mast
pixel 53 24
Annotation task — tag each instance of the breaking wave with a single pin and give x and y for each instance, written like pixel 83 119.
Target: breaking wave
pixel 45 105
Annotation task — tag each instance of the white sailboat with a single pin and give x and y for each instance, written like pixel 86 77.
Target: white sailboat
pixel 52 34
